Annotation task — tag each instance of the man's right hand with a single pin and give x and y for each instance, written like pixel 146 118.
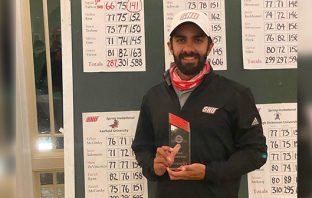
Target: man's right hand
pixel 164 158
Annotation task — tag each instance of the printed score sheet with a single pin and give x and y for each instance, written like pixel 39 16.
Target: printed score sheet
pixel 270 34
pixel 278 177
pixel 113 35
pixel 110 168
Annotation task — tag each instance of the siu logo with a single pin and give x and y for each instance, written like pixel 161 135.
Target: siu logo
pixel 189 15
pixel 92 118
pixel 209 110
pixel 115 124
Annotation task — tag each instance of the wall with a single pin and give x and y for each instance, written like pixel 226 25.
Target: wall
pixel 100 92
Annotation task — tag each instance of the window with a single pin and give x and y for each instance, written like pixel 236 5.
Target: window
pixel 48 141
pixel 47 54
pixel 51 184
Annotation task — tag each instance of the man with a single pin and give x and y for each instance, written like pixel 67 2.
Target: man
pixel 226 134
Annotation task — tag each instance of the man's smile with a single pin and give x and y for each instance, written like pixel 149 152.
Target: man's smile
pixel 189 58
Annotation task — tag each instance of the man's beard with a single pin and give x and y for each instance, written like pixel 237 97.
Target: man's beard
pixel 190 69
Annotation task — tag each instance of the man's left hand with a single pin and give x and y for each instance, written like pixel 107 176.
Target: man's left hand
pixel 194 171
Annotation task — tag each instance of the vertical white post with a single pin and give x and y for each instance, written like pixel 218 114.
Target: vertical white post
pixel 26 119
pixel 48 60
pixel 69 152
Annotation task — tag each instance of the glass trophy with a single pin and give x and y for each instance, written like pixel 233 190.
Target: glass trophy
pixel 180 133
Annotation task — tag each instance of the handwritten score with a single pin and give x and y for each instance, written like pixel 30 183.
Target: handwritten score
pixel 113 35
pixel 270 34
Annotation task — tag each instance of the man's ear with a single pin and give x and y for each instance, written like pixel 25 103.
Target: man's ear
pixel 210 48
pixel 170 47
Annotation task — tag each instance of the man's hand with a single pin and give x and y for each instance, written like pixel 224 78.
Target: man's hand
pixel 194 171
pixel 164 158
pixel 160 161
pixel 173 153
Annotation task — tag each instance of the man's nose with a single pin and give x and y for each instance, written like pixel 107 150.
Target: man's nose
pixel 189 47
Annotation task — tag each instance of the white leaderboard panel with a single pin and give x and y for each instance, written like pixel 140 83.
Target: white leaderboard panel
pixel 278 177
pixel 113 35
pixel 110 168
pixel 270 34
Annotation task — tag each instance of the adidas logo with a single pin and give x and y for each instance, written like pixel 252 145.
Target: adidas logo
pixel 209 110
pixel 255 122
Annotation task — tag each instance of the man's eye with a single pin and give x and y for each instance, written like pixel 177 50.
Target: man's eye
pixel 198 40
pixel 180 40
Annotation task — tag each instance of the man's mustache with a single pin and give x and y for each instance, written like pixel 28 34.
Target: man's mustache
pixel 192 54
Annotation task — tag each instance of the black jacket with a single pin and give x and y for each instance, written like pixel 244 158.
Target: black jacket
pixel 230 141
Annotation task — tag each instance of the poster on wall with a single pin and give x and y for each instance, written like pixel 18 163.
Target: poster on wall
pixel 113 35
pixel 278 177
pixel 270 34
pixel 110 168
pixel 216 13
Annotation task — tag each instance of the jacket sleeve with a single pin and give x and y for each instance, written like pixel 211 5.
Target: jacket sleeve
pixel 250 143
pixel 144 144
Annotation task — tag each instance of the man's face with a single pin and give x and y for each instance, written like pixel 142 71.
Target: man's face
pixel 190 48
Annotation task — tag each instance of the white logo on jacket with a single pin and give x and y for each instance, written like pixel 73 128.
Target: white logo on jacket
pixel 255 122
pixel 209 110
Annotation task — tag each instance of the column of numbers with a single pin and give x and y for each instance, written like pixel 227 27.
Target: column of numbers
pixel 124 176
pixel 282 146
pixel 123 29
pixel 280 31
